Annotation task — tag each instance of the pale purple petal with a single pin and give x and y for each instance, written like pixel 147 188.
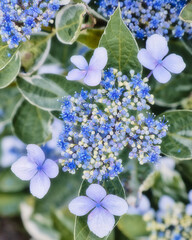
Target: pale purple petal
pixel 93 78
pixel 144 204
pixel 146 59
pixel 190 196
pixel 86 1
pixel 174 63
pixel 96 192
pixel 157 46
pixel 79 61
pixel 50 168
pixel 80 206
pixel 99 59
pixel 39 184
pixel 76 74
pixel 35 154
pixel 166 203
pixel 100 222
pixel 161 74
pixel 24 169
pixel 115 205
pixel 189 209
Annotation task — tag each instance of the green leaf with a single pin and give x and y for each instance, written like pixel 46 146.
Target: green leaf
pixel 40 227
pixel 178 142
pixel 186 13
pixel 31 124
pixel 61 53
pixel 9 73
pixel 6 54
pixel 35 51
pixel 64 223
pixel 10 183
pixel 68 23
pixel 63 188
pixel 121 46
pixel 44 91
pixel 165 182
pixel 149 182
pixel 90 37
pixel 181 83
pixel 170 183
pixel 82 231
pixel 133 226
pixel 185 169
pixel 9 97
pixel 9 203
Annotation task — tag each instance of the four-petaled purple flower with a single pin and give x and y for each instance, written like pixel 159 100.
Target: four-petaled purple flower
pixel 152 58
pixel 91 73
pixel 102 206
pixel 189 206
pixel 35 168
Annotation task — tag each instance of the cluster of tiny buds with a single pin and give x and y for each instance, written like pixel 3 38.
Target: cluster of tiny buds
pixel 20 18
pixel 146 17
pixel 172 223
pixel 100 123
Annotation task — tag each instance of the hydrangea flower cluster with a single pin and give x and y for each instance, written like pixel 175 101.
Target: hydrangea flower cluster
pixel 99 123
pixel 20 18
pixel 146 17
pixel 171 221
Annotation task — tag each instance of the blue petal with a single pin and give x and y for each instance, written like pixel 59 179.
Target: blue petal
pixel 50 168
pixel 157 46
pixel 80 206
pixel 100 222
pixel 174 63
pixel 165 203
pixel 99 59
pixel 189 209
pixel 115 205
pixel 161 74
pixel 40 185
pixel 93 78
pixel 190 196
pixel 24 169
pixel 76 74
pixel 96 192
pixel 79 61
pixel 35 154
pixel 146 59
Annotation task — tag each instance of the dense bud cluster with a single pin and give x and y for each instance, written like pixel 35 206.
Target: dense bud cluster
pixel 99 123
pixel 170 223
pixel 146 17
pixel 20 18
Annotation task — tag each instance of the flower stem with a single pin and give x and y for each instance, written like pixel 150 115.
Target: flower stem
pixel 150 74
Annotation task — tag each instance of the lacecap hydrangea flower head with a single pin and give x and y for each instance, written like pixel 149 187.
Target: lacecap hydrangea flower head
pixel 20 18
pixel 173 220
pixel 100 123
pixel 146 17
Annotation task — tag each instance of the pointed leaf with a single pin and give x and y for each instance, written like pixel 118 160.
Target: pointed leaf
pixel 31 124
pixel 178 142
pixel 68 23
pixel 133 226
pixel 6 54
pixel 35 51
pixel 186 13
pixel 120 44
pixel 10 72
pixel 9 97
pixel 45 90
